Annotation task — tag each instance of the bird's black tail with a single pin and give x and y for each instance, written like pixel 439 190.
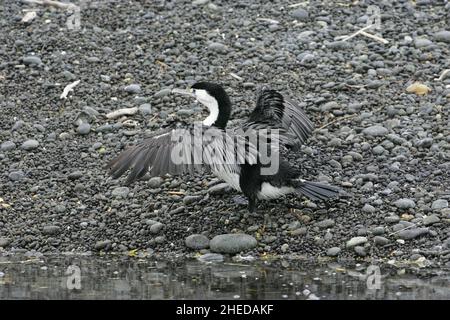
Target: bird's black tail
pixel 317 191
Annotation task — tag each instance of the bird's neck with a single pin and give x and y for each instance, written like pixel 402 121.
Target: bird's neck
pixel 219 113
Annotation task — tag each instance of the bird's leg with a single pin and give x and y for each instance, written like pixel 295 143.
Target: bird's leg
pixel 251 205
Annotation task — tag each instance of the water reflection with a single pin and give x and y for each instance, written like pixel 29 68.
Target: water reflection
pixel 131 278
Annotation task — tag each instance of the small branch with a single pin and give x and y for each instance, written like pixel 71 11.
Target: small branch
pixel 272 21
pixel 336 120
pixel 122 112
pixel 69 88
pixel 178 193
pixel 51 3
pixel 443 74
pixel 375 37
pixel 236 76
pixel 345 38
pixel 295 5
pixel 408 227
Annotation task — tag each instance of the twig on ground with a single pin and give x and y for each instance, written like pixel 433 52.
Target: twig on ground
pixel 375 37
pixel 178 193
pixel 51 3
pixel 69 88
pixel 345 38
pixel 122 112
pixel 268 20
pixel 236 76
pixel 443 74
pixel 337 120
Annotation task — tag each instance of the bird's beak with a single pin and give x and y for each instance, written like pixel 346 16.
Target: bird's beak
pixel 186 92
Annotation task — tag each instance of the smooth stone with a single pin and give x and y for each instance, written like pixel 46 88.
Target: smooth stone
pixel 404 203
pixel 120 192
pixel 49 230
pixel 380 241
pixel 29 145
pixel 442 36
pixel 32 60
pixel 145 109
pixel 132 88
pixel 412 233
pixel 4 242
pixel 197 242
pixel 232 243
pixel 356 241
pixel 431 219
pixel 375 131
pixel 16 175
pixel 7 146
pixel 439 204
pixel 105 244
pixel 333 252
pixel 156 227
pixel 155 182
pixel 84 128
pixel 300 14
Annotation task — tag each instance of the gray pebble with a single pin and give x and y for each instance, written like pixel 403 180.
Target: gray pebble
pixel 368 208
pixel 232 243
pixel 30 144
pixel 4 242
pixel 333 252
pixel 220 188
pixel 360 251
pixel 50 230
pixel 327 223
pixel 218 47
pixel 105 244
pixel 155 182
pixel 375 131
pixel 197 242
pixel 162 93
pixel 145 109
pixel 431 219
pixel 7 146
pixel 404 203
pixel 132 88
pixel 356 241
pixel 380 241
pixel 412 233
pixel 191 199
pixel 156 227
pixel 120 192
pixel 16 175
pixel 300 14
pixel 32 60
pixel 84 128
pixel 439 204
pixel 442 36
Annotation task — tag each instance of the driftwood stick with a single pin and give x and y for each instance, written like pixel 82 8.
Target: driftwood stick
pixel 51 3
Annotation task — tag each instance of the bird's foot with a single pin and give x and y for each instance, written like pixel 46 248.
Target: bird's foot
pixel 240 200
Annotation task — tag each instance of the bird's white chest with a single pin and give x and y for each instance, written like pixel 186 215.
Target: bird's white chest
pixel 268 191
pixel 231 178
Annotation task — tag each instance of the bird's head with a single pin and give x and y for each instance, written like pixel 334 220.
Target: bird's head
pixel 214 97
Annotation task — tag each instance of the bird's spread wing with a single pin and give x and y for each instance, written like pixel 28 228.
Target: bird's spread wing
pixel 274 111
pixel 188 150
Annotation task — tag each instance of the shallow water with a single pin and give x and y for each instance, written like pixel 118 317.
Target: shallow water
pixel 132 278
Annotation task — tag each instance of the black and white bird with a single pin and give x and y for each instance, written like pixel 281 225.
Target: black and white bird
pixel 243 167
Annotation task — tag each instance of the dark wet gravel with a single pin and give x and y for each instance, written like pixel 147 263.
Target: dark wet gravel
pixel 387 148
